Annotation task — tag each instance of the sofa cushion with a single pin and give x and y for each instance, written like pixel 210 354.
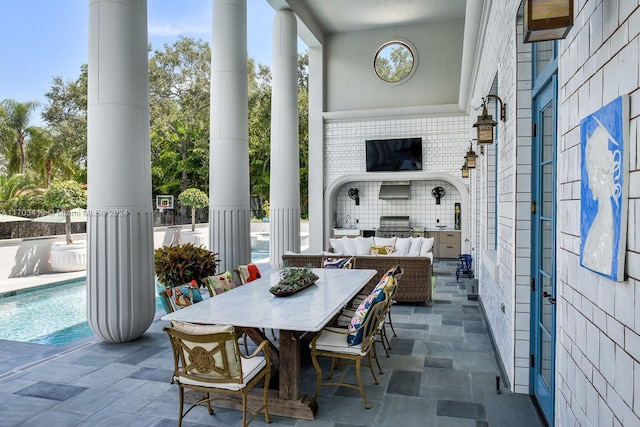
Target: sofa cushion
pixel 350 246
pixel 427 245
pixel 363 245
pixel 402 246
pixel 384 241
pixel 337 245
pixel 382 250
pixel 416 244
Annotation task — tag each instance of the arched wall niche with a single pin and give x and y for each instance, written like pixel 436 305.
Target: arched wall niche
pixel 331 194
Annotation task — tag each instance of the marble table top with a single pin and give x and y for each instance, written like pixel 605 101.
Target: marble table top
pixel 252 305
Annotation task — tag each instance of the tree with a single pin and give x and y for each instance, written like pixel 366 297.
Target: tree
pixel 303 131
pixel 49 156
pixel 66 116
pixel 259 91
pixel 15 192
pixel 195 199
pixel 65 195
pixel 15 133
pixel 179 81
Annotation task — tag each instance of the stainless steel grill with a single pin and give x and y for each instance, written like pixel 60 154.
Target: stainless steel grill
pixel 394 226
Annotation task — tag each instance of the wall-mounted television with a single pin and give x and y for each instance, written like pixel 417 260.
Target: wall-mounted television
pixel 397 154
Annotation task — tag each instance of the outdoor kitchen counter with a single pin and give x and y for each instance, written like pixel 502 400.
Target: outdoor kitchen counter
pixel 447 242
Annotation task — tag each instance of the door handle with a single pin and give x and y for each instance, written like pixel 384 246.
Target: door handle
pixel 547 295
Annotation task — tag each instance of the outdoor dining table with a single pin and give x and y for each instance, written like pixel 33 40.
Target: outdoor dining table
pixel 252 306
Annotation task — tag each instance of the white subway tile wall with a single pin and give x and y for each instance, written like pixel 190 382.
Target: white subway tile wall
pixel 445 140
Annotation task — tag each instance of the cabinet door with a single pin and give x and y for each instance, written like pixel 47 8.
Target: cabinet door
pixel 448 244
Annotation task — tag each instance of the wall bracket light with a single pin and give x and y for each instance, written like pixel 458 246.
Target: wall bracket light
pixel 464 170
pixel 547 19
pixel 485 123
pixel 471 157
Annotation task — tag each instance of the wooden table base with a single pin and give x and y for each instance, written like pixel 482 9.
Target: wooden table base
pixel 304 408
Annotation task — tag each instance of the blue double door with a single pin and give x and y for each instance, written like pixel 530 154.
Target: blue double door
pixel 543 239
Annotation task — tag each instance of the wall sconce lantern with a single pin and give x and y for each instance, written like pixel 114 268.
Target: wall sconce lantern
pixel 465 170
pixel 547 19
pixel 485 123
pixel 470 158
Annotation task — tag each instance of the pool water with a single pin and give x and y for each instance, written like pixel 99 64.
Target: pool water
pixel 55 314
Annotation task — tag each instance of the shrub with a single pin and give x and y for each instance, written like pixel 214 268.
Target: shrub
pixel 180 264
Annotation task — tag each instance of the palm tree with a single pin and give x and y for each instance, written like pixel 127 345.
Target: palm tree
pixel 15 133
pixel 49 156
pixel 12 186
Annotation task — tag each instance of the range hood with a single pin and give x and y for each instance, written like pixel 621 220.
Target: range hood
pixel 395 190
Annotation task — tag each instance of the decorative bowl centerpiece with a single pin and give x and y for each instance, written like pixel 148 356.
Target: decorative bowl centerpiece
pixel 292 280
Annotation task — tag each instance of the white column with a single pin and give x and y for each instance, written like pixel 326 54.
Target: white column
pixel 229 213
pixel 284 191
pixel 120 271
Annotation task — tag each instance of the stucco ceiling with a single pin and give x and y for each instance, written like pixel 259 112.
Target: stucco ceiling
pixel 334 16
pixel 322 18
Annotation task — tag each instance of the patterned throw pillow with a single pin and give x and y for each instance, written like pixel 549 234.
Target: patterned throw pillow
pixel 385 283
pixel 221 282
pixel 249 273
pixel 382 250
pixel 360 316
pixel 184 295
pixel 333 262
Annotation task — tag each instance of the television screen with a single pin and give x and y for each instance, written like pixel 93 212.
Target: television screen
pixel 400 154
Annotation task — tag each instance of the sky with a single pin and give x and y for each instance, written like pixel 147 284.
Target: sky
pixel 43 39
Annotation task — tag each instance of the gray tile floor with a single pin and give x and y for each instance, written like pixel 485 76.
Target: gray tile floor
pixel 442 372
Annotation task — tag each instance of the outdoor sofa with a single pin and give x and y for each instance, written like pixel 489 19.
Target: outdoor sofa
pixel 415 285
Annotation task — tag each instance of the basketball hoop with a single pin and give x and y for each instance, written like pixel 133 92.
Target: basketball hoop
pixel 164 202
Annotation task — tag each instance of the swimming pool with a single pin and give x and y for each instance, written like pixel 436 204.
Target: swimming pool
pixel 55 314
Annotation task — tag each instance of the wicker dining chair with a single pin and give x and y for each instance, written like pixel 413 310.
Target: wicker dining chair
pixel 207 359
pixel 332 342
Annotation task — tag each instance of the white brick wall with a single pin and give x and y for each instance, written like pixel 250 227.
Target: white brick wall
pixel 598 347
pixel 503 268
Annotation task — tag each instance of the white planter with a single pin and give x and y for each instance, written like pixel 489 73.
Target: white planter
pixel 65 258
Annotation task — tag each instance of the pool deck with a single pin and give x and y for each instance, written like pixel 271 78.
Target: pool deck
pixel 21 283
pixel 442 372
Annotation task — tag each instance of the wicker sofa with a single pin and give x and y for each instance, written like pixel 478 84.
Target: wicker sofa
pixel 415 285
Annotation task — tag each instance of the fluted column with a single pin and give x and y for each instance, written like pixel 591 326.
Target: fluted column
pixel 120 273
pixel 284 191
pixel 229 213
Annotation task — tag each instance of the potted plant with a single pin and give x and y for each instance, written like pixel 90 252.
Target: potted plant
pixel 67 195
pixel 292 280
pixel 195 199
pixel 179 264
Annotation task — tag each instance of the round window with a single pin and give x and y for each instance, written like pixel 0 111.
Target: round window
pixel 394 61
